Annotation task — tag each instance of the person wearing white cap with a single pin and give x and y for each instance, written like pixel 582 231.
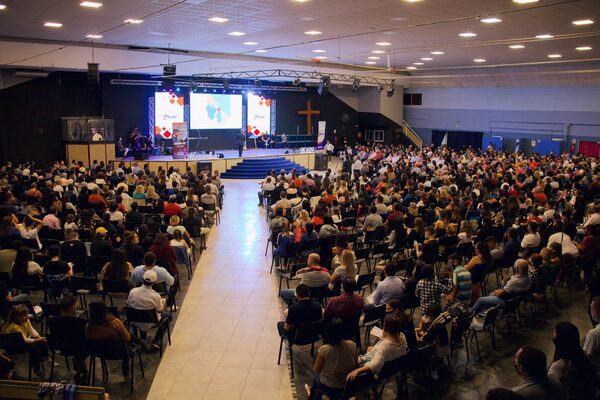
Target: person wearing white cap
pixel 146 298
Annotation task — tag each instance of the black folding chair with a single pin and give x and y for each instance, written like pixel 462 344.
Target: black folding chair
pixel 301 335
pixel 110 350
pixel 111 287
pixel 373 316
pixel 14 344
pixel 151 318
pixel 365 281
pixel 477 325
pixel 82 286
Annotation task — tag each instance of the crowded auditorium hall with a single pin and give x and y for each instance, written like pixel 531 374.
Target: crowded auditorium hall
pixel 300 199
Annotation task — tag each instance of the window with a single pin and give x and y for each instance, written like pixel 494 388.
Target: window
pixel 374 135
pixel 413 99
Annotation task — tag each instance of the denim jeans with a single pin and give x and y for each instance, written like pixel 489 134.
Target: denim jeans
pixel 322 389
pixel 483 303
pixel 287 295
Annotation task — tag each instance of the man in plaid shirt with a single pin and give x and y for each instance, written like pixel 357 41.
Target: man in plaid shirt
pixel 429 290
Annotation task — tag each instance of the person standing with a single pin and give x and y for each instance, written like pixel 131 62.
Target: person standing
pixel 241 142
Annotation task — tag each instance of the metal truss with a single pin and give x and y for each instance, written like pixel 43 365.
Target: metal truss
pixel 285 73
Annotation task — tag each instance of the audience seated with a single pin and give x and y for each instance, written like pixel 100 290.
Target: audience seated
pixel 518 284
pixel 137 276
pixel 313 276
pixel 390 288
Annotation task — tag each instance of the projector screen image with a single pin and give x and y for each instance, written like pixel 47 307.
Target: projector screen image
pixel 168 108
pixel 215 111
pixel 259 115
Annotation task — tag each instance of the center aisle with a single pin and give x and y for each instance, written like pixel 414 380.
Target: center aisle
pixel 225 341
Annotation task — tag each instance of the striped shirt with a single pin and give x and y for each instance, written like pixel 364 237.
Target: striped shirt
pixel 462 281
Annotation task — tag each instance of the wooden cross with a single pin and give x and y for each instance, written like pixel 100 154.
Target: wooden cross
pixel 309 112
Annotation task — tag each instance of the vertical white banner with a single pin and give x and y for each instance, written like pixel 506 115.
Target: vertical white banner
pixel 321 137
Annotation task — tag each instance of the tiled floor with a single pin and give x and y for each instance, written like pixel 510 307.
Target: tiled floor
pixel 225 341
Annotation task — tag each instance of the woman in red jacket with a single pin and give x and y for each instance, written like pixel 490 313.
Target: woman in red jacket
pixel 161 247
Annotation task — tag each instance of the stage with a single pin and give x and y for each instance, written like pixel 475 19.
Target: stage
pixel 209 162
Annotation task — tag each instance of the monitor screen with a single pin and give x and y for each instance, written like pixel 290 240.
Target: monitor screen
pixel 215 111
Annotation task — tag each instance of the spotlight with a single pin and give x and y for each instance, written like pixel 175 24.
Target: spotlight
pixel 324 83
pixel 257 82
pixel 225 84
pixel 379 88
pixel 296 82
pixel 355 84
pixel 390 90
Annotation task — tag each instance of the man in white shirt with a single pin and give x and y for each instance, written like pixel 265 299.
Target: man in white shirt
pixel 146 298
pixel 267 187
pixel 531 240
pixel 594 218
pixel 592 340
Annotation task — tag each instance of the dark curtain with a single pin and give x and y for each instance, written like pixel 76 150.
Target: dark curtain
pixel 437 137
pixel 458 139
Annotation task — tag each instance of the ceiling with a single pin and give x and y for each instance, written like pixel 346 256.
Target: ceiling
pixel 350 30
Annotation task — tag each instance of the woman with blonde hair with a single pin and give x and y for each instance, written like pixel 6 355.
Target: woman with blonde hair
pixel 139 193
pixel 302 219
pixel 347 268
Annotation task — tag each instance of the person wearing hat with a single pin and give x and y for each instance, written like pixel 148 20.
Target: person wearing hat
pixel 162 275
pixel 101 246
pixel 146 298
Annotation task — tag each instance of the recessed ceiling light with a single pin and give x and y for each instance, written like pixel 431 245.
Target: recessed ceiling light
pixel 370 62
pixel 250 43
pixel 554 56
pixel 260 51
pixel 583 48
pixel 319 51
pixel 236 33
pixel 321 57
pixel 525 1
pixel 218 19
pixel 390 33
pixel 91 4
pixel 307 19
pixel 516 46
pixel 398 19
pixel 94 36
pixel 437 53
pixel 53 24
pixel 411 67
pixel 313 32
pixel 2 6
pixel 426 59
pixel 300 1
pixel 467 34
pixel 374 58
pixel 378 51
pixel 411 1
pixel 418 63
pixel 491 20
pixel 479 60
pixel 583 22
pixel 133 21
pixel 545 36
pixel 383 44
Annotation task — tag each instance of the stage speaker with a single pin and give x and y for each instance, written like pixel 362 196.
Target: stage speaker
pixel 169 72
pixel 321 161
pixel 93 73
pixel 204 166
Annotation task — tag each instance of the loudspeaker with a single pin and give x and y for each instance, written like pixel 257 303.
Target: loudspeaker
pixel 321 161
pixel 203 166
pixel 93 73
pixel 169 70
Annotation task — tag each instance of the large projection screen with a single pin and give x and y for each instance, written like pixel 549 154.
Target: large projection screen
pixel 168 108
pixel 215 111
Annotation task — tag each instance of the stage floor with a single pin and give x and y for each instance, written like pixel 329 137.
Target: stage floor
pixel 227 153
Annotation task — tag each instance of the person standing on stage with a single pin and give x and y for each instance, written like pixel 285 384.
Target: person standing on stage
pixel 241 142
pixel 284 140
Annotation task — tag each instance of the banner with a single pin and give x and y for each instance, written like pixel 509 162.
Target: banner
pixel 259 115
pixel 180 136
pixel 321 137
pixel 168 108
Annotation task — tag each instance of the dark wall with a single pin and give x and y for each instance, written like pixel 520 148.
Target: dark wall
pixel 393 131
pixel 30 124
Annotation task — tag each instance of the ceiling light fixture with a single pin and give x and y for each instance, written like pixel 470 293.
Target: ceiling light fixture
pixel 260 51
pixel 412 1
pixel 411 67
pixel 479 60
pixel 583 48
pixel 250 43
pixel 218 19
pixel 94 36
pixel 379 88
pixel 516 46
pixel 2 6
pixel 373 58
pixel 300 1
pixel 236 33
pixel 390 90
pixel 296 82
pixel 525 1
pixel 491 20
pixel 383 44
pixel 583 22
pixel 313 32
pixel 467 34
pixel 319 51
pixel 426 59
pixel 53 24
pixel 355 84
pixel 133 21
pixel 437 53
pixel 370 62
pixel 418 63
pixel 321 57
pixel 554 55
pixel 378 51
pixel 544 36
pixel 90 4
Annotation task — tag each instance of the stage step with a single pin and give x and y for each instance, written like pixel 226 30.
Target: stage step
pixel 257 168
